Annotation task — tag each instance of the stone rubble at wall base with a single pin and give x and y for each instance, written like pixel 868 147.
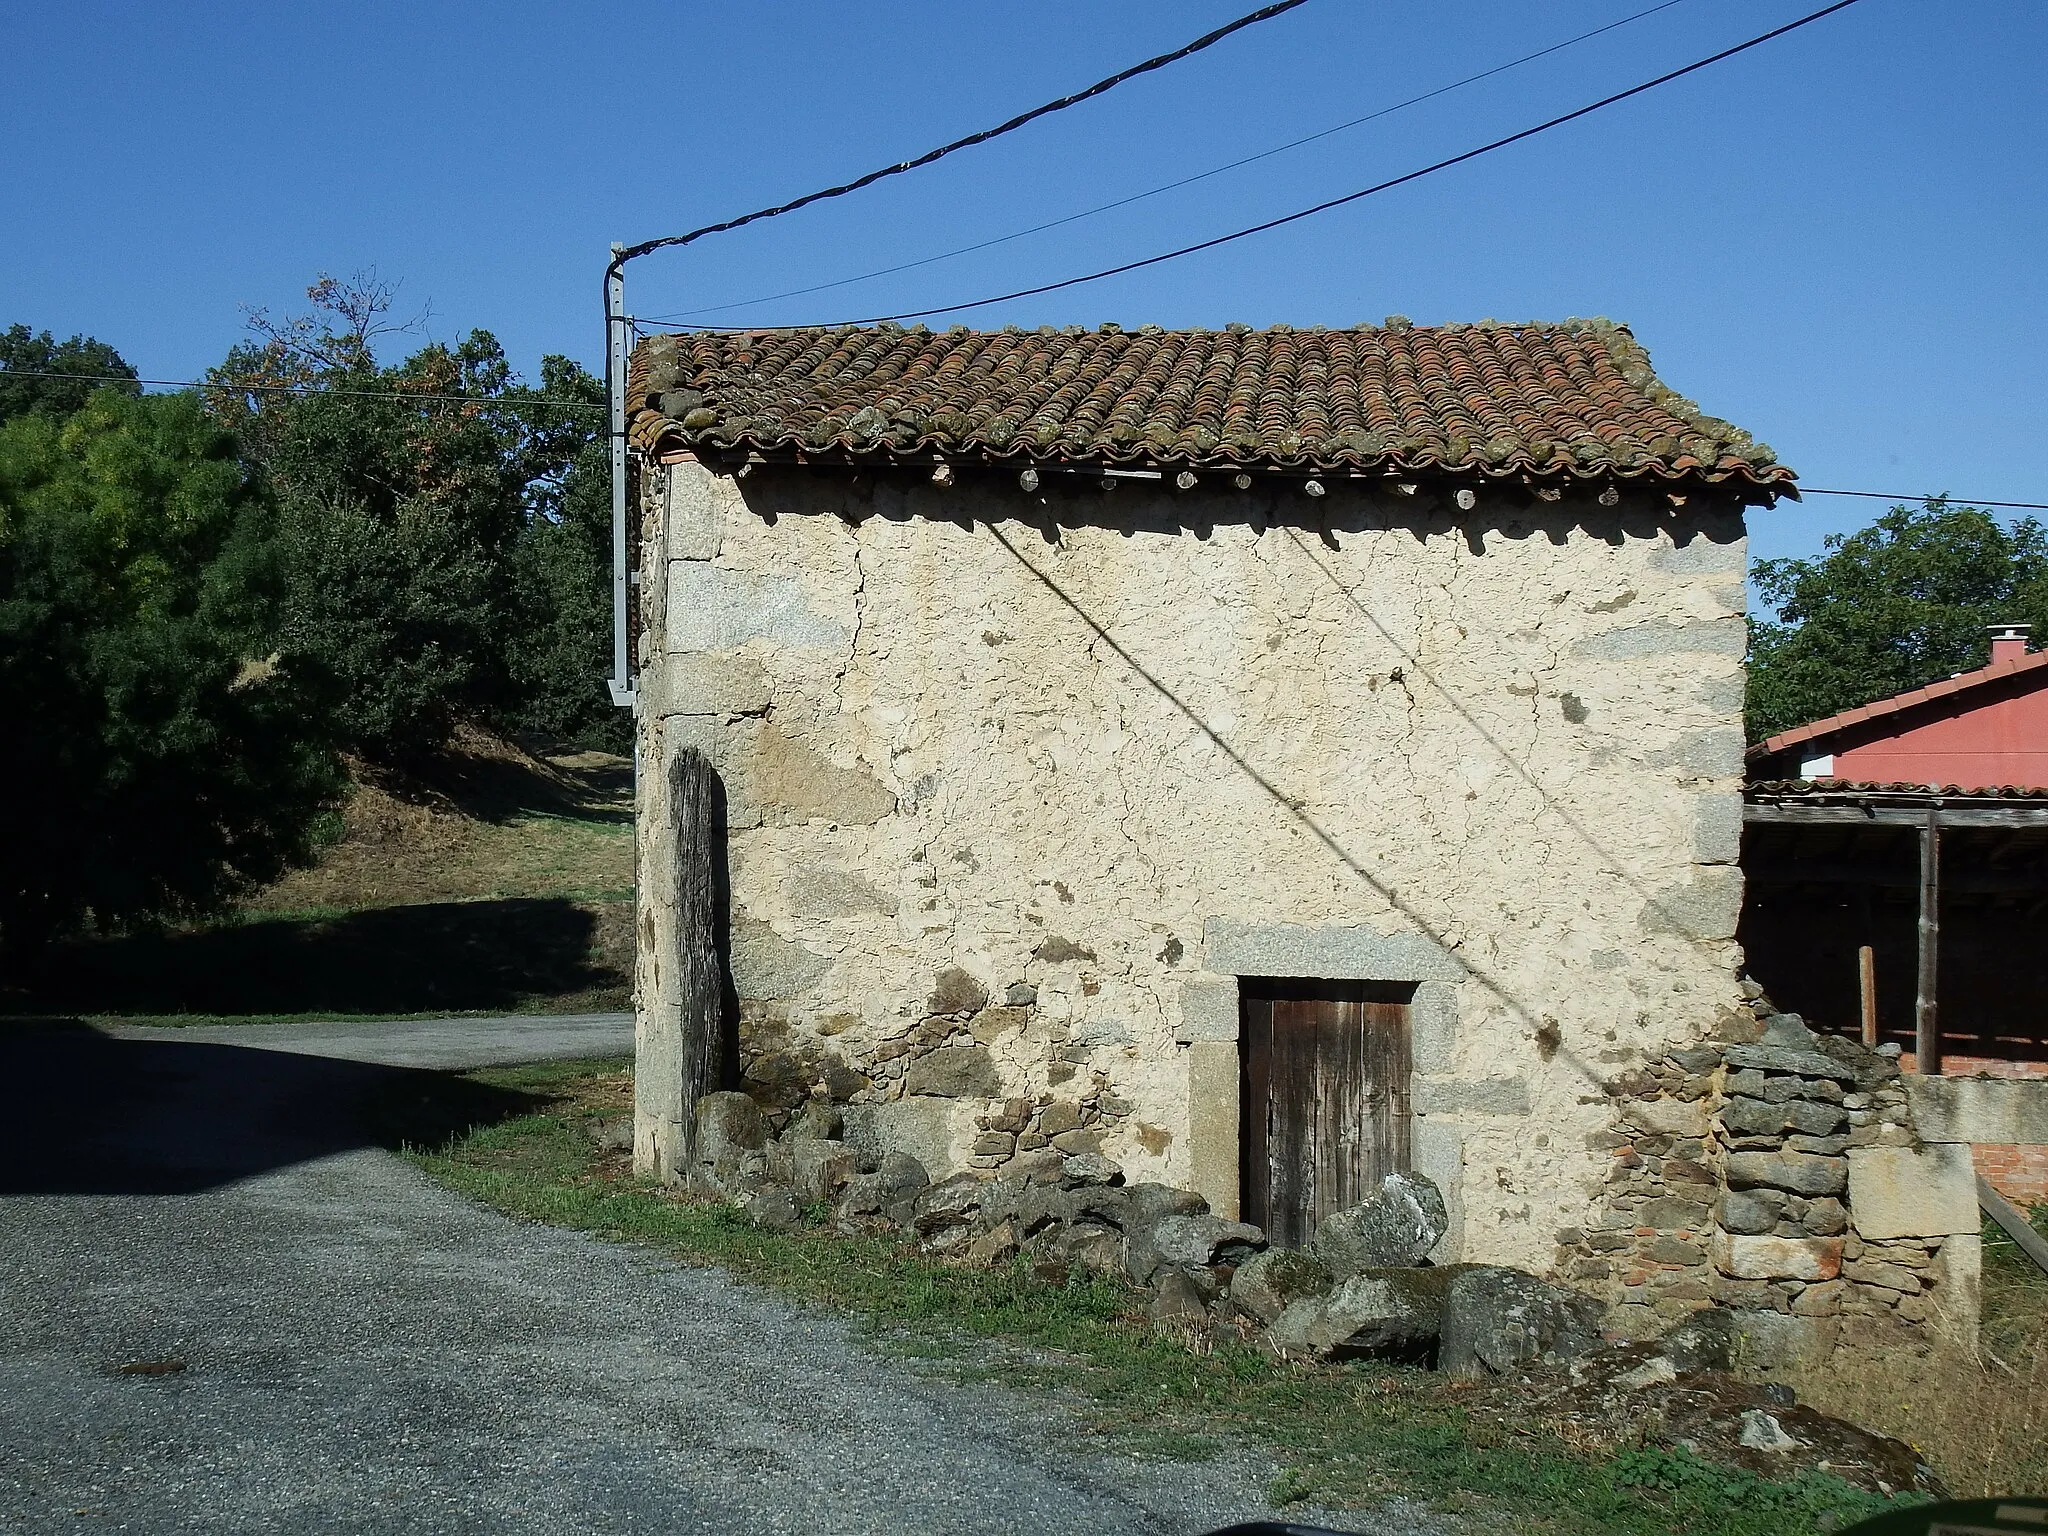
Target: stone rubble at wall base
pixel 1729 1164
pixel 1362 1290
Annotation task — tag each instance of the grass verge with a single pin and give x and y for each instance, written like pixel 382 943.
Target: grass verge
pixel 1346 1435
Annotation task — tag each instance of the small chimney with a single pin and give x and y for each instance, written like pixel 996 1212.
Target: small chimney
pixel 2008 642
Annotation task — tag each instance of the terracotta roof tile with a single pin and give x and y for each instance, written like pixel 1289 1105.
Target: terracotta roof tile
pixel 1576 399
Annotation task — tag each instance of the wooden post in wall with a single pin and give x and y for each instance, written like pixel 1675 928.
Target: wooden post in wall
pixel 696 801
pixel 1866 986
pixel 1926 1021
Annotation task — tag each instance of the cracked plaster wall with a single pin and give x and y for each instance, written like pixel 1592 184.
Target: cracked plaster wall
pixel 1060 741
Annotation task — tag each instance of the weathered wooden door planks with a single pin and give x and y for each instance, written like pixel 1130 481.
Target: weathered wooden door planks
pixel 1326 1067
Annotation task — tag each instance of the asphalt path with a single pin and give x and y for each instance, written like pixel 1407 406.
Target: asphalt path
pixel 438 1044
pixel 329 1342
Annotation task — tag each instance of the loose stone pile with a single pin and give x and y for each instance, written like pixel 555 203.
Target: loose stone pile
pixel 1680 1392
pixel 1729 1178
pixel 1363 1288
pixel 1730 1183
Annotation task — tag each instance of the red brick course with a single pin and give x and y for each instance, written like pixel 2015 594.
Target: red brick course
pixel 1979 1066
pixel 2018 1173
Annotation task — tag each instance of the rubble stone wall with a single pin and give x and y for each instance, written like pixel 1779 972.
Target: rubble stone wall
pixel 1020 784
pixel 1776 1171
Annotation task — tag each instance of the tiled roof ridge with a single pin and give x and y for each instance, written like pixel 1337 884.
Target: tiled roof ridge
pixel 1575 399
pixel 1997 671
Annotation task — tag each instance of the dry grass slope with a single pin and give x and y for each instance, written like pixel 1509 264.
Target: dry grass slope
pixel 489 820
pixel 1979 1417
pixel 498 879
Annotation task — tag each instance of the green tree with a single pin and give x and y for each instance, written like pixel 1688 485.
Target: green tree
pixel 1900 604
pixel 434 568
pixel 561 569
pixel 160 759
pixel 27 357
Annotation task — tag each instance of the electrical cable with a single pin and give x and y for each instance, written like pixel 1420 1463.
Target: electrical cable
pixel 1961 501
pixel 1171 186
pixel 1265 13
pixel 299 389
pixel 1338 202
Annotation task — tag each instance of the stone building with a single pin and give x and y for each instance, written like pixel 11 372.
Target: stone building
pixel 1264 757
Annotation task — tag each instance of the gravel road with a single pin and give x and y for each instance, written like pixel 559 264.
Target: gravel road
pixel 364 1352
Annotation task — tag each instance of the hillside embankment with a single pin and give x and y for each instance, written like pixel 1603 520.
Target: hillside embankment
pixel 496 877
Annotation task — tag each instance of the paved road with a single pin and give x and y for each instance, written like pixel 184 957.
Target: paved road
pixel 440 1044
pixel 367 1353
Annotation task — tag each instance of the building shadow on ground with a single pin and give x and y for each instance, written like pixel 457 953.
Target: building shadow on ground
pixel 96 1115
pixel 425 958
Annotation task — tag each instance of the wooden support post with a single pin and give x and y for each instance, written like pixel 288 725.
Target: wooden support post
pixel 1926 1019
pixel 1866 984
pixel 697 804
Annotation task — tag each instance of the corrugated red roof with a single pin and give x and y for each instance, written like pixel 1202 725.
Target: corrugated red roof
pixel 1947 688
pixel 1549 401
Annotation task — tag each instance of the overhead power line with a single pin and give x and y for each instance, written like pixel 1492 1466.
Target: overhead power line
pixel 304 389
pixel 1352 197
pixel 1171 186
pixel 1963 501
pixel 618 329
pixel 1209 39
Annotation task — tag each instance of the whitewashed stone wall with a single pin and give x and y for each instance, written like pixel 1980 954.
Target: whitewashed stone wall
pixel 1020 783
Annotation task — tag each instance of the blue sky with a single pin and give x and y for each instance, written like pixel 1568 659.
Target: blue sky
pixel 1836 240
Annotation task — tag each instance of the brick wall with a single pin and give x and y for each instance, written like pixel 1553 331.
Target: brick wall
pixel 1979 1066
pixel 2018 1173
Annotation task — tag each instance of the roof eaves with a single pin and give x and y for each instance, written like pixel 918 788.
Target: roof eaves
pixel 1871 789
pixel 653 433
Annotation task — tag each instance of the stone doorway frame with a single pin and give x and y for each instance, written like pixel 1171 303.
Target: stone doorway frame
pixel 1209 1033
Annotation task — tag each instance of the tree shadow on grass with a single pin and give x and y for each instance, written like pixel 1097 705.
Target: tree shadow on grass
pixel 486 780
pixel 94 1115
pixel 433 957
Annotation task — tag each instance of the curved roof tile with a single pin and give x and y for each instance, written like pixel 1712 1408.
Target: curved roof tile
pixel 1572 399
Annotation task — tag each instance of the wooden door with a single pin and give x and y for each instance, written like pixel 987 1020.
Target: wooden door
pixel 1325 1098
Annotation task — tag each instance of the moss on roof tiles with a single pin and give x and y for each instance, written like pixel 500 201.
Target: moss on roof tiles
pixel 1573 398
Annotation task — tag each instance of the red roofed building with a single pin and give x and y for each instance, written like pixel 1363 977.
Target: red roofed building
pixel 1976 729
pixel 1895 862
